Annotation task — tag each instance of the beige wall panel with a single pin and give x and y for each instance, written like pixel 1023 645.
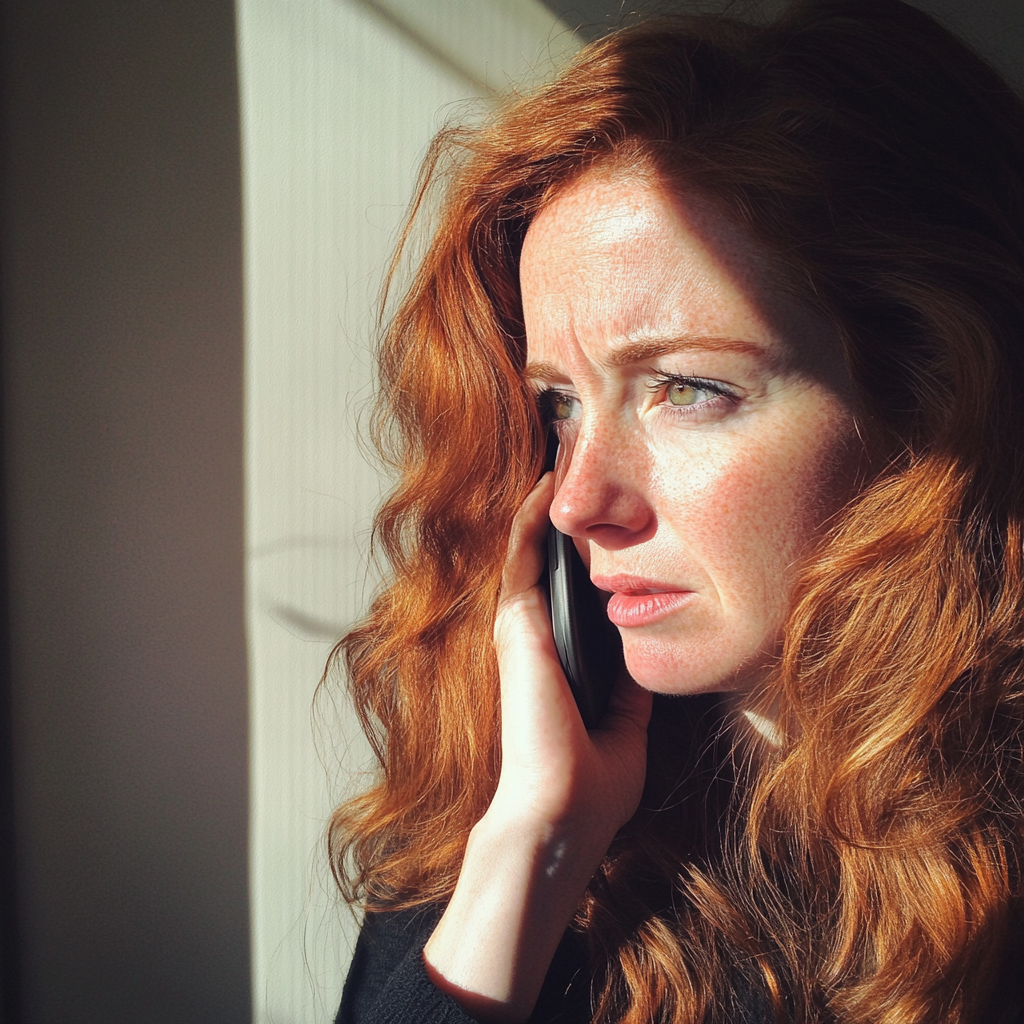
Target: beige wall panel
pixel 339 102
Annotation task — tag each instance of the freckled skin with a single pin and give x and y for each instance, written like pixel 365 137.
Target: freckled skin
pixel 721 498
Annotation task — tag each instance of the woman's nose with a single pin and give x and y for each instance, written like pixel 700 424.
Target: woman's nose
pixel 601 489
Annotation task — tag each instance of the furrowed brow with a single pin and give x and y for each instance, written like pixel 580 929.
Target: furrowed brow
pixel 642 350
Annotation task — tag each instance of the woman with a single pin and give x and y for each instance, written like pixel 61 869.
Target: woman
pixel 767 287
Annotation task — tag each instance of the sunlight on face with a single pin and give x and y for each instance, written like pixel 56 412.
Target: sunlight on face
pixel 706 421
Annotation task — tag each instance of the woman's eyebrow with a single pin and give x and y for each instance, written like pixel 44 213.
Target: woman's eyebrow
pixel 642 350
pixel 544 371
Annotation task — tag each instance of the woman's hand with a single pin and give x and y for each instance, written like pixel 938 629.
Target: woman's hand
pixel 562 795
pixel 552 770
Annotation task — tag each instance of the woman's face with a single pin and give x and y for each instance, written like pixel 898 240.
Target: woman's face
pixel 706 423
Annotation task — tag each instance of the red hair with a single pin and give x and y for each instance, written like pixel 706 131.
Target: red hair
pixel 865 869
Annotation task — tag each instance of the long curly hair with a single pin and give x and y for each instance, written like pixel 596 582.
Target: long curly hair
pixel 866 868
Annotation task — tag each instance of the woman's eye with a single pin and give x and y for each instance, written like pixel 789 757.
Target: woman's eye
pixel 683 391
pixel 679 393
pixel 559 405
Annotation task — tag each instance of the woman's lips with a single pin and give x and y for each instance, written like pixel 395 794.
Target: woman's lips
pixel 639 602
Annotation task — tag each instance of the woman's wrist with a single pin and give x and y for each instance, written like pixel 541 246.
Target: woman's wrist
pixel 570 842
pixel 559 856
pixel 519 886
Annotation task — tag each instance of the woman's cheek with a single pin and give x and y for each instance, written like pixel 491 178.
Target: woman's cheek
pixel 745 510
pixel 727 502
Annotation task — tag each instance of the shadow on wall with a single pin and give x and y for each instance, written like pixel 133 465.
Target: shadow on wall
pixel 994 27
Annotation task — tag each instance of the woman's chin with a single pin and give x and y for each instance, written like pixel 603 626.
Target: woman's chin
pixel 662 667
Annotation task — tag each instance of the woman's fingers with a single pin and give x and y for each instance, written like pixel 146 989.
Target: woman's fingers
pixel 525 557
pixel 530 674
pixel 522 631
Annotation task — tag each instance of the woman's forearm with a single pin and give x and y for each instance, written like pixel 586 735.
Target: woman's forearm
pixel 518 888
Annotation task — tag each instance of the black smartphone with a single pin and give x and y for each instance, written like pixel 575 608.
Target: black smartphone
pixel 589 646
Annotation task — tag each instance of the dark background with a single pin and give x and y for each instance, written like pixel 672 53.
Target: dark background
pixel 122 365
pixel 123 749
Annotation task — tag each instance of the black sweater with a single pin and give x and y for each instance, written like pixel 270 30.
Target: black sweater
pixel 388 983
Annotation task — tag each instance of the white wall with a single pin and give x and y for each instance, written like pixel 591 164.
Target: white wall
pixel 339 101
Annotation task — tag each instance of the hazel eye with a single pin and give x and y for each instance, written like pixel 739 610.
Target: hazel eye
pixel 690 392
pixel 681 393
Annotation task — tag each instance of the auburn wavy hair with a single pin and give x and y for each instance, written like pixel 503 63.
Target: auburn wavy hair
pixel 867 868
